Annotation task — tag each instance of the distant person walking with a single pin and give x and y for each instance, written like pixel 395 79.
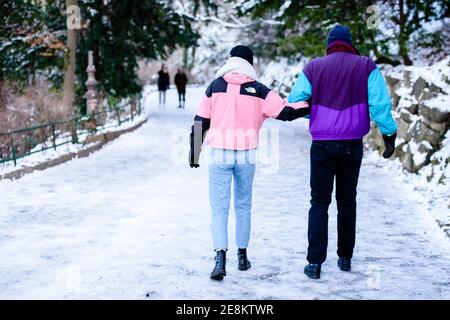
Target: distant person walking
pixel 180 81
pixel 163 84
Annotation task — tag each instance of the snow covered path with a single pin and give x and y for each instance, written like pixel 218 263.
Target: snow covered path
pixel 130 222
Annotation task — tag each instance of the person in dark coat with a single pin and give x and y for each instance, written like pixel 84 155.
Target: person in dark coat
pixel 181 81
pixel 163 84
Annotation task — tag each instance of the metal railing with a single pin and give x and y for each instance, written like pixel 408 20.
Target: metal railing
pixel 24 142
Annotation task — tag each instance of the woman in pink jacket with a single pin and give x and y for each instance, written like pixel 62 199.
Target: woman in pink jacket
pixel 233 110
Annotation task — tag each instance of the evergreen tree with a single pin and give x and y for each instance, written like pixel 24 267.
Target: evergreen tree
pixel 409 17
pixel 33 38
pixel 30 42
pixel 301 26
pixel 120 32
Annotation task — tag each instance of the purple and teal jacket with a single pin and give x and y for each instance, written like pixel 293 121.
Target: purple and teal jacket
pixel 346 90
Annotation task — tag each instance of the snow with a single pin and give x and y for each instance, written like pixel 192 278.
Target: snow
pixel 40 157
pixel 433 179
pixel 283 8
pixel 403 91
pixel 427 145
pixel 427 187
pixel 436 74
pixel 129 221
pixel 49 154
pixel 216 42
pixel 418 157
pixel 281 76
pixel 439 172
pixel 441 103
pixel 247 4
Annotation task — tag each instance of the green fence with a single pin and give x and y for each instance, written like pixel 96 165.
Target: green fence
pixel 24 142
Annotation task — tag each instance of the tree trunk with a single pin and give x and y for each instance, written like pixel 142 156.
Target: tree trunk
pixel 69 72
pixel 403 36
pixel 194 52
pixel 2 95
pixel 185 57
pixel 189 57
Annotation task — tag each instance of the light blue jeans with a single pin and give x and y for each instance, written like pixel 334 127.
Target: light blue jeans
pixel 225 166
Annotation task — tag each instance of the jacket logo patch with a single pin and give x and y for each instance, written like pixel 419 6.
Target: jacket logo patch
pixel 250 90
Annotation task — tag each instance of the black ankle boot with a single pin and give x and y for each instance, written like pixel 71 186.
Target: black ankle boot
pixel 219 270
pixel 243 263
pixel 312 270
pixel 345 264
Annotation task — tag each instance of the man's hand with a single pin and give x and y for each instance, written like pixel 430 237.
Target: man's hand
pixel 389 143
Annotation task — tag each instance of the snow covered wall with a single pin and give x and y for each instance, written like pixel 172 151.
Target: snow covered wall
pixel 421 104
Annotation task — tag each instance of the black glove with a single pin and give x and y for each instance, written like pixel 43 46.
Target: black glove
pixel 389 143
pixel 192 163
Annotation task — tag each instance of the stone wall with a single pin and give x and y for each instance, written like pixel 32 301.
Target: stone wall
pixel 421 106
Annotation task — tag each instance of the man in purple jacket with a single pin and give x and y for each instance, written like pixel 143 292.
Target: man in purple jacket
pixel 346 90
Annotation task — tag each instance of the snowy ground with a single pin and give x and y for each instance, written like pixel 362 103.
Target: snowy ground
pixel 132 220
pixel 49 154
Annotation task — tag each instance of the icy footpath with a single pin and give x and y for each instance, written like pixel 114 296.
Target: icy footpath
pixel 132 221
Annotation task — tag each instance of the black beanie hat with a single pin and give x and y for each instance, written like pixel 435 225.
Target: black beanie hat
pixel 243 52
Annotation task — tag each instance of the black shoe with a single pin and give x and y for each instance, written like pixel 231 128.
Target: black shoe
pixel 219 270
pixel 312 270
pixel 243 263
pixel 345 264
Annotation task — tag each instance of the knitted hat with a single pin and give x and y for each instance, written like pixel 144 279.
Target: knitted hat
pixel 243 52
pixel 339 33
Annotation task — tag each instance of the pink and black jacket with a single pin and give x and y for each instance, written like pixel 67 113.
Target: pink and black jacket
pixel 233 110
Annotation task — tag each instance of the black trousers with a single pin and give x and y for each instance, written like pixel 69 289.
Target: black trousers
pixel 329 159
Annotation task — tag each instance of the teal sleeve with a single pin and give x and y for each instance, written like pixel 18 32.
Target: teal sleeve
pixel 301 91
pixel 380 103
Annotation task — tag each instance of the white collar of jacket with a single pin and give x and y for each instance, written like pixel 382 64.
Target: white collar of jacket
pixel 239 65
